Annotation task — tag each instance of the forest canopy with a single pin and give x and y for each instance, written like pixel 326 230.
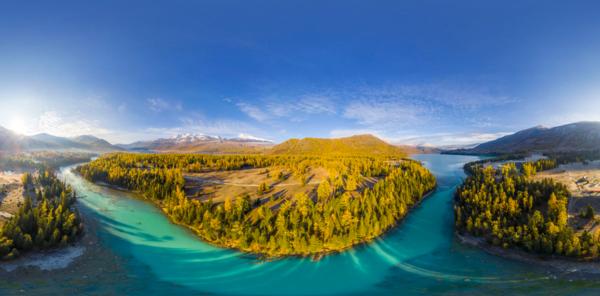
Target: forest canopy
pixel 339 215
pixel 47 218
pixel 507 208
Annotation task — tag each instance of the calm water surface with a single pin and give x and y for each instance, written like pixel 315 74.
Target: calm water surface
pixel 141 253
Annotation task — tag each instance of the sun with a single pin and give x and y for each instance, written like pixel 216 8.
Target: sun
pixel 17 125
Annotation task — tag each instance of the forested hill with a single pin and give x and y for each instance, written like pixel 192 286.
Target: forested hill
pixel 574 137
pixel 355 145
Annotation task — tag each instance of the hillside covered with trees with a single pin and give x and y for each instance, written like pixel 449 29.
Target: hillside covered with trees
pixel 366 145
pixel 340 214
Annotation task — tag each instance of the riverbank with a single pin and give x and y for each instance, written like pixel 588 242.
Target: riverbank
pixel 561 264
pixel 47 260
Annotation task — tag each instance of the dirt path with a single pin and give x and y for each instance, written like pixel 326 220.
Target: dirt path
pixel 256 185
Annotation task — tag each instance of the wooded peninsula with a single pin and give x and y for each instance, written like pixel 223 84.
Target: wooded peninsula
pixel 358 199
pixel 507 207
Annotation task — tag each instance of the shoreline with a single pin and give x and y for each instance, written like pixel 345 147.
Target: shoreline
pixel 46 260
pixel 558 263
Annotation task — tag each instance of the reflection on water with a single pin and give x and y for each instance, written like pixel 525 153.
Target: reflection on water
pixel 420 256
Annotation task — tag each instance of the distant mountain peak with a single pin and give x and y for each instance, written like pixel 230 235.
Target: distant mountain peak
pixel 248 137
pixel 201 143
pixel 190 138
pixel 86 137
pixel 578 136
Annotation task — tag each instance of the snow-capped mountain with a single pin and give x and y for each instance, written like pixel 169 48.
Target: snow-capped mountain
pixel 191 138
pixel 200 143
pixel 250 138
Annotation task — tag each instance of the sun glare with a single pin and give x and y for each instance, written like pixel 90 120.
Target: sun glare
pixel 17 125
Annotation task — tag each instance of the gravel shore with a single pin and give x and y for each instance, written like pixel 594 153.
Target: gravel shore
pixel 561 264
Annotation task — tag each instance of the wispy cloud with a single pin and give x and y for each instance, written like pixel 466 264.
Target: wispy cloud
pixel 294 109
pixel 304 104
pixel 402 105
pixel 455 95
pixel 450 139
pixel 159 105
pixel 66 125
pixel 253 111
pixel 200 125
pixel 378 113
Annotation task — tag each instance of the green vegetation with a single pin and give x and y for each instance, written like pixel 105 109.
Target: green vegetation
pixel 587 213
pixel 46 221
pixel 529 168
pixel 361 145
pixel 508 209
pixel 571 157
pixel 341 213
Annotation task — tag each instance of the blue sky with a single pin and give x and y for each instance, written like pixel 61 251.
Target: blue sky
pixel 436 72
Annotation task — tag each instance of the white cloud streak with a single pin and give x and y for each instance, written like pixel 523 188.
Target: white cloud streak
pixel 160 105
pixel 450 139
pixel 69 125
pixel 295 110
pixel 200 125
pixel 253 111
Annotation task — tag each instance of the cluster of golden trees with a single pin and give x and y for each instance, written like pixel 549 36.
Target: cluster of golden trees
pixel 46 221
pixel 339 216
pixel 529 169
pixel 509 209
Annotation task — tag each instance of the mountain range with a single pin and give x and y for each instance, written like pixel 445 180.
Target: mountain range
pixel 197 143
pixel 193 143
pixel 12 142
pixel 579 136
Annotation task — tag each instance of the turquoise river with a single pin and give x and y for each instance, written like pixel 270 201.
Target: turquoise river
pixel 139 252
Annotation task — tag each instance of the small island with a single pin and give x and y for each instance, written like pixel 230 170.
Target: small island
pixel 304 197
